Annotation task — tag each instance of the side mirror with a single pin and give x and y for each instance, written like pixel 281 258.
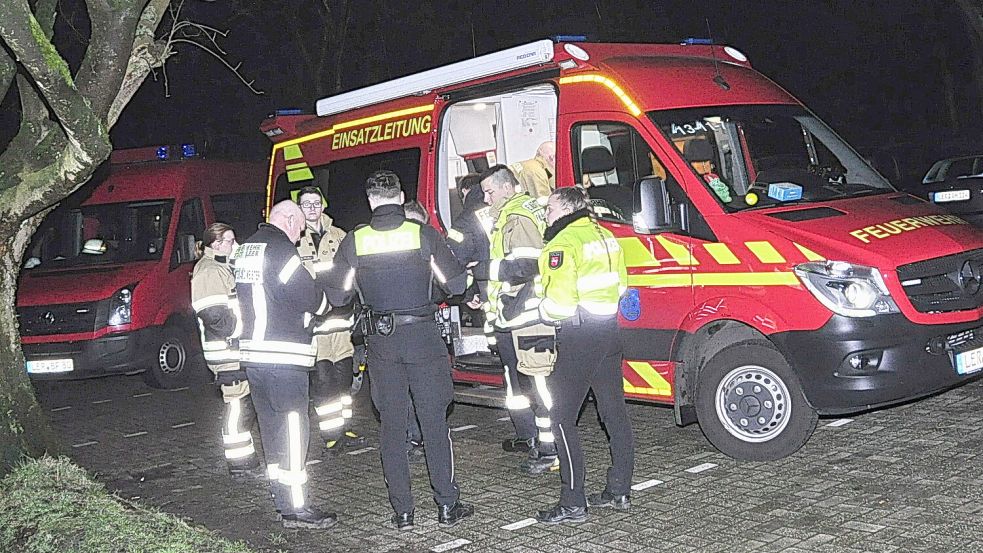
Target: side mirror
pixel 652 211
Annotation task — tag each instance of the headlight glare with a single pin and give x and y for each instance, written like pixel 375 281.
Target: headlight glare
pixel 847 289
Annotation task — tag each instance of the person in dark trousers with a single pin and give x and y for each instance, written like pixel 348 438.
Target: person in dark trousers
pixel 584 276
pixel 278 299
pixel 393 264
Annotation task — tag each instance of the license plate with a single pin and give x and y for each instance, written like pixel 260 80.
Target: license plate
pixel 969 361
pixel 951 196
pixel 48 366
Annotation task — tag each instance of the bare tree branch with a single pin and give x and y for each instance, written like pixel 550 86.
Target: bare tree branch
pixel 146 55
pixel 103 68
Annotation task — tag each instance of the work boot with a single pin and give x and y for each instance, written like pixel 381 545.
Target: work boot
pixel 608 499
pixel 449 515
pixel 309 517
pixel 518 445
pixel 415 452
pixel 559 513
pixel 539 465
pixel 403 521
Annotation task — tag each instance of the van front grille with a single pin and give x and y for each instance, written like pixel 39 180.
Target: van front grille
pixel 945 284
pixel 67 318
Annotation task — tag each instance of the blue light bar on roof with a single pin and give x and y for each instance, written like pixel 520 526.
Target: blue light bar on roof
pixel 163 152
pixel 188 150
pixel 570 38
pixel 289 111
pixel 691 41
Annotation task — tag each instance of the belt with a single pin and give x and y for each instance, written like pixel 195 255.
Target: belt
pixel 412 319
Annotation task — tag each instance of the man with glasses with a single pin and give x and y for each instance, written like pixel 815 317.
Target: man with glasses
pixel 331 379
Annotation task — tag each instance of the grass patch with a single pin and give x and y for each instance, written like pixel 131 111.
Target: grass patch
pixel 52 506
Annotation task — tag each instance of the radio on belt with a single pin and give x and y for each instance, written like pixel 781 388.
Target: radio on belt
pixel 784 191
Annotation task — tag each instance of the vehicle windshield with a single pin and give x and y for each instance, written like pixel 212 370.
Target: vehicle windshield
pixel 101 234
pixel 762 156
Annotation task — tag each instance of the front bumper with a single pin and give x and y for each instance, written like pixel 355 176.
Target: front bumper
pixel 899 360
pixel 111 354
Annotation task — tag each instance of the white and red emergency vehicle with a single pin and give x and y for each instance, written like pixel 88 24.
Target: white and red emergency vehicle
pixel 106 287
pixel 774 275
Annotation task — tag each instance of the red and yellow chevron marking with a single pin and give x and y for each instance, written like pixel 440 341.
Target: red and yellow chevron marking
pixel 645 379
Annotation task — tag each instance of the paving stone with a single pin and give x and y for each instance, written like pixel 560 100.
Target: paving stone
pixel 899 479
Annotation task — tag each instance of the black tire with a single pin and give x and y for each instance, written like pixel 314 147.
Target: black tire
pixel 750 404
pixel 174 359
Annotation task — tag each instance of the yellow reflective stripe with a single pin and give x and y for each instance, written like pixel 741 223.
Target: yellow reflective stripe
pixel 636 253
pixel 455 235
pixel 369 241
pixel 630 105
pixel 239 452
pixel 721 253
pixel 809 254
pixel 288 270
pixel 292 152
pixel 321 266
pixel 299 174
pixel 600 307
pixel 715 279
pixel 524 253
pixel 551 310
pixel 657 383
pixel 296 165
pixel 765 252
pixel 680 253
pixel 327 408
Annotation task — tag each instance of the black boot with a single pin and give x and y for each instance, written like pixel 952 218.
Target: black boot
pixel 309 517
pixel 403 521
pixel 540 464
pixel 559 514
pixel 449 515
pixel 518 445
pixel 608 499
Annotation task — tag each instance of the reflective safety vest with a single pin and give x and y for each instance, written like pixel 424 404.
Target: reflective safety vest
pixel 332 331
pixel 217 311
pixel 582 266
pixel 501 310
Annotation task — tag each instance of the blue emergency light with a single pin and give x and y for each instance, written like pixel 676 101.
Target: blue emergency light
pixel 188 150
pixel 163 152
pixel 692 41
pixel 288 111
pixel 570 38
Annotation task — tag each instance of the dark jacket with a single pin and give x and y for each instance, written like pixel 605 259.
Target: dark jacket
pixel 278 299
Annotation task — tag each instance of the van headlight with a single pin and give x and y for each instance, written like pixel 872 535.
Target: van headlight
pixel 847 289
pixel 121 307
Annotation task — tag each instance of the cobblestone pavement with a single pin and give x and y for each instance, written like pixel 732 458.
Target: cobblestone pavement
pixel 901 479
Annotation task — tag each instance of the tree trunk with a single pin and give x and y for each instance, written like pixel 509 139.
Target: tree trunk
pixel 24 430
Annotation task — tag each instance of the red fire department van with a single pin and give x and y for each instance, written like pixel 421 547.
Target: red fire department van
pixel 106 286
pixel 774 275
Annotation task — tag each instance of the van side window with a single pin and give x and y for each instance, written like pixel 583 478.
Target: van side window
pixel 608 159
pixel 190 225
pixel 342 183
pixel 243 211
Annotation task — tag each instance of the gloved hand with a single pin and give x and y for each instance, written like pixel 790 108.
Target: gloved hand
pixel 227 378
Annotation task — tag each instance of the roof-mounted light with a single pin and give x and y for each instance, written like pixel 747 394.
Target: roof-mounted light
pixel 691 41
pixel 570 38
pixel 163 152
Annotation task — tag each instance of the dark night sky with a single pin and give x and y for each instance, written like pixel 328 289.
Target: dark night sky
pixel 872 69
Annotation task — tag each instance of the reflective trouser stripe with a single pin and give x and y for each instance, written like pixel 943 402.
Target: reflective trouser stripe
pixel 297 475
pixel 237 444
pixel 544 393
pixel 563 436
pixel 273 472
pixel 513 402
pixel 545 430
pixel 346 411
pixel 332 423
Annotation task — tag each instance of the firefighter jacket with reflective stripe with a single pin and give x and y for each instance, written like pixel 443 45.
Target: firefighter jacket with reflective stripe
pixel 513 270
pixel 278 300
pixel 394 263
pixel 214 301
pixel 468 237
pixel 535 176
pixel 582 267
pixel 332 331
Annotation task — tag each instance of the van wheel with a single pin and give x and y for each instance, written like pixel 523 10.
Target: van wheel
pixel 750 404
pixel 172 362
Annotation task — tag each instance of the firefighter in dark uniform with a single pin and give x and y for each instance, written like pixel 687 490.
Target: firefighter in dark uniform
pixel 331 379
pixel 393 264
pixel 584 276
pixel 279 299
pixel 217 310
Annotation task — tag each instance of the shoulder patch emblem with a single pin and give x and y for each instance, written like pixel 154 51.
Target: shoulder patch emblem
pixel 556 259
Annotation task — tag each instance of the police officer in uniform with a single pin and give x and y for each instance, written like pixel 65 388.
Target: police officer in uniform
pixel 278 300
pixel 584 276
pixel 512 273
pixel 213 299
pixel 331 379
pixel 393 264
